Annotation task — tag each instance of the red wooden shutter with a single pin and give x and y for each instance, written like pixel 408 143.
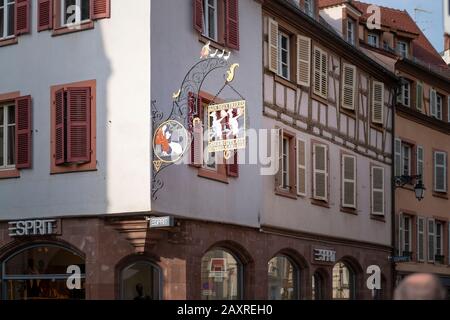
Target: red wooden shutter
pixel 100 9
pixel 232 24
pixel 45 15
pixel 78 125
pixel 59 138
pixel 233 167
pixel 198 15
pixel 22 17
pixel 23 132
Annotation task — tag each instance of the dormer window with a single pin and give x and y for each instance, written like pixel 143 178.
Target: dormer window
pixel 373 40
pixel 402 48
pixel 309 8
pixel 351 31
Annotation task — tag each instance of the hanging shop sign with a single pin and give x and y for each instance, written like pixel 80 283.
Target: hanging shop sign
pixel 226 126
pixel 324 255
pixel 170 141
pixel 28 228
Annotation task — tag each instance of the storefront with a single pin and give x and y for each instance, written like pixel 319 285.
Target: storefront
pixel 122 258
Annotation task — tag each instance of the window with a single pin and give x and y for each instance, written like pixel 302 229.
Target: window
pixel 285 179
pixel 404 96
pixel 210 19
pixel 348 181
pixel 421 239
pixel 310 8
pixel 283 279
pixel 439 105
pixel 402 49
pixel 377 102
pixel 320 73
pixel 7 18
pixel 348 86
pixel 140 281
pixel 318 283
pixel 406 159
pixel 7 136
pixel 221 276
pixel 301 167
pixel 210 160
pixel 440 171
pixel 420 162
pixel 405 235
pixel 218 20
pixel 419 96
pixel 351 31
pixel 377 194
pixel 439 247
pixel 373 40
pixel 343 282
pixel 40 272
pixel 431 240
pixel 285 163
pixel 15 134
pixel 74 12
pixel 73 127
pixel 320 172
pixel 284 55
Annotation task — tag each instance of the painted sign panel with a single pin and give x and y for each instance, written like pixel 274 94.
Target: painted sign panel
pixel 170 141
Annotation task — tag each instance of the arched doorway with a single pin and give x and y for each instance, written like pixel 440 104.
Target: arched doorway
pixel 283 279
pixel 221 276
pixel 344 282
pixel 140 280
pixel 45 271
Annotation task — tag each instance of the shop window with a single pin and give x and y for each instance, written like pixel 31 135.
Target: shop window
pixel 140 281
pixel 42 272
pixel 282 279
pixel 343 282
pixel 318 286
pixel 221 276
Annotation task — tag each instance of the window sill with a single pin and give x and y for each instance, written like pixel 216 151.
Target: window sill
pixel 8 42
pixel 376 126
pixel 320 203
pixel 285 82
pixel 319 98
pixel 378 217
pixel 348 112
pixel 352 211
pixel 9 174
pixel 73 168
pixel 441 195
pixel 213 43
pixel 65 30
pixel 284 193
pixel 213 175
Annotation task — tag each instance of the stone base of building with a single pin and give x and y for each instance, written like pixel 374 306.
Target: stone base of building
pixel 119 257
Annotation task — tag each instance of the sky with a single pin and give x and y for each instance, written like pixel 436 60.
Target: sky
pixel 431 23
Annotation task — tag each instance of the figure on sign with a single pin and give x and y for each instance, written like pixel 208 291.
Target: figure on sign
pixel 170 141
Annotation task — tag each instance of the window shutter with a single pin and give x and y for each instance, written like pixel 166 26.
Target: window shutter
pixel 195 105
pixel 377 102
pixel 22 17
pixel 420 239
pixel 348 181
pixel 100 9
pixel 279 157
pixel 301 167
pixel 198 15
pixel 433 102
pixel 378 191
pixel 320 174
pixel 45 15
pixel 348 86
pixel 401 228
pixel 78 125
pixel 233 167
pixel 420 156
pixel 419 96
pixel 273 45
pixel 232 24
pixel 431 240
pixel 440 172
pixel 303 60
pixel 398 157
pixel 317 72
pixel 59 138
pixel 23 133
pixel 324 80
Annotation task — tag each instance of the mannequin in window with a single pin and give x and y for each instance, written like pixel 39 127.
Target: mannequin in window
pixel 140 292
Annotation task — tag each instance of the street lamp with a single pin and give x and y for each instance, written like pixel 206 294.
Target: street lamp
pixel 419 188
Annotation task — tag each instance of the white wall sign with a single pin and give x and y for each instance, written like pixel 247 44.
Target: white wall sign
pixel 26 228
pixel 161 222
pixel 324 255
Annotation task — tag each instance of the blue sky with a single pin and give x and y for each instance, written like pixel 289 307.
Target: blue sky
pixel 431 23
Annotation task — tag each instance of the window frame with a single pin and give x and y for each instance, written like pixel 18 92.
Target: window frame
pixel 445 169
pixel 421 244
pixel 5 8
pixel 285 172
pixel 374 167
pixel 403 52
pixel 441 238
pixel 351 31
pixel 407 233
pixel 431 239
pixel 439 106
pixel 63 12
pixel 405 96
pixel 206 31
pixel 311 8
pixel 373 36
pixel 4 107
pixel 281 63
pixel 409 159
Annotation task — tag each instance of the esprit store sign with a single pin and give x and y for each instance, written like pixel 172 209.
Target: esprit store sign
pixel 324 255
pixel 26 228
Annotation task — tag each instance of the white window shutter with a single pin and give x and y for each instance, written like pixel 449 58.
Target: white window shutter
pixel 419 161
pixel 378 191
pixel 400 234
pixel 398 157
pixel 420 239
pixel 324 80
pixel 377 102
pixel 419 96
pixel 433 102
pixel 317 71
pixel 431 239
pixel 273 45
pixel 348 181
pixel 440 171
pixel 320 172
pixel 348 86
pixel 301 167
pixel 303 60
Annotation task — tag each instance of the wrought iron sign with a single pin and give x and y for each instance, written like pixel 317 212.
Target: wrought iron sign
pixel 172 134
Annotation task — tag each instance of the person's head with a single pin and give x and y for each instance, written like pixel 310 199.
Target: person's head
pixel 420 286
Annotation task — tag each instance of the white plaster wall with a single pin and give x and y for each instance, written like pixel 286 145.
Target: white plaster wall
pixel 175 49
pixel 117 54
pixel 333 15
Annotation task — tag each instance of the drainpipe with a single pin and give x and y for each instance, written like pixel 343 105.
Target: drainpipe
pixel 393 202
